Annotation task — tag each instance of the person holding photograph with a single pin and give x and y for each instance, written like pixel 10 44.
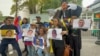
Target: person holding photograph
pixel 3 23
pixel 25 25
pixel 6 41
pixel 58 45
pixel 75 35
pixel 29 43
pixel 42 43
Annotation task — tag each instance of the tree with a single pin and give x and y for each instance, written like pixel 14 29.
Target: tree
pixel 42 5
pixel 30 4
pixel 52 4
pixel 78 2
pixel 14 8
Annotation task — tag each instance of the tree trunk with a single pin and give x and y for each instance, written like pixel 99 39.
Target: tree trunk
pixel 32 10
pixel 41 10
pixel 16 8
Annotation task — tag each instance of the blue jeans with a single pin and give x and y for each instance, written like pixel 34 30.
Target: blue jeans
pixel 40 52
pixel 4 45
pixel 46 53
pixel 31 51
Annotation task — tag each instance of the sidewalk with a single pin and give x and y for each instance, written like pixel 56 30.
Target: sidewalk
pixel 89 48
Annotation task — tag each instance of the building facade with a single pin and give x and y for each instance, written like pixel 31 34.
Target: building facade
pixel 95 7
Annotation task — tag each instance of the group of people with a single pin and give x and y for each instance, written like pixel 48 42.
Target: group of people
pixel 70 37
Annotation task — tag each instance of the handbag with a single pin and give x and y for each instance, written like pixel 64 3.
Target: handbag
pixel 67 51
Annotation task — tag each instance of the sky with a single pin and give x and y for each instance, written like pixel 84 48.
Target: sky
pixel 86 3
pixel 5 6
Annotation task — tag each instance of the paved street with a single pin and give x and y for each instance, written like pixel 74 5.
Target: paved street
pixel 89 48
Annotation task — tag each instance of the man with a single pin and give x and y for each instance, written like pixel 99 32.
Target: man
pixel 38 18
pixel 75 34
pixel 5 41
pixel 64 12
pixel 39 24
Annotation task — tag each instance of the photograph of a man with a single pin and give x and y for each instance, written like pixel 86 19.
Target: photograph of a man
pixel 29 34
pixel 81 23
pixel 54 33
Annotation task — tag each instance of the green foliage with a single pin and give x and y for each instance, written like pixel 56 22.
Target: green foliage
pixel 78 2
pixel 52 4
pixel 13 9
pixel 2 18
pixel 44 5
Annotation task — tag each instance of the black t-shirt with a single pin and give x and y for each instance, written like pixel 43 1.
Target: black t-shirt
pixel 40 23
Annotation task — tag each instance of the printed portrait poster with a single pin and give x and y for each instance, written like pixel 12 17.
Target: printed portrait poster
pixel 54 34
pixel 82 23
pixel 28 34
pixel 7 33
pixel 38 42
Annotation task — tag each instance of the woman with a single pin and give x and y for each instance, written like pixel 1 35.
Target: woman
pixel 29 41
pixel 25 25
pixel 42 43
pixel 58 45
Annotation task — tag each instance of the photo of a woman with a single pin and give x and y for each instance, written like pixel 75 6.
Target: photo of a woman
pixel 9 33
pixel 54 33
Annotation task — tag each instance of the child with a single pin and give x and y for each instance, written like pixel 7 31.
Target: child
pixel 41 43
pixel 29 40
pixel 25 25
